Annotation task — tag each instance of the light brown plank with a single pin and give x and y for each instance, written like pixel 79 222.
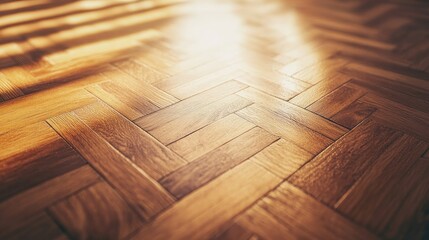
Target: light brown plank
pixel 282 158
pixel 241 187
pixel 187 124
pixel 337 100
pixel 288 129
pixel 124 100
pixel 294 113
pixel 319 90
pixel 132 142
pixel 140 190
pixel 48 105
pixel 216 162
pixel 211 137
pixel 184 107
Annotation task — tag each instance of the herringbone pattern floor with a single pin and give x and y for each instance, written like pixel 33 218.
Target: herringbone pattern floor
pixel 214 119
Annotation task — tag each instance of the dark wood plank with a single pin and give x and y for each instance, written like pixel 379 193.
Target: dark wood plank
pixel 20 208
pixel 340 165
pixel 32 155
pixel 288 213
pixel 377 201
pixel 353 114
pixel 96 212
pixel 235 232
pixel 39 226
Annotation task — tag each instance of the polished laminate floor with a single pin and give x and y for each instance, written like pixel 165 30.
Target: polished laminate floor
pixel 214 119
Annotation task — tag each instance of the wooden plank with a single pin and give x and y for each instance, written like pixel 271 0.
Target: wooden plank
pixel 288 213
pixel 124 100
pixel 140 71
pixel 377 201
pixel 21 207
pixel 138 146
pixel 399 116
pixel 329 175
pixel 235 232
pixel 288 129
pixel 319 90
pixel 206 82
pixel 294 113
pixel 407 79
pixel 276 89
pixel 8 90
pixel 159 98
pixel 217 202
pixel 216 162
pixel 39 226
pixel 135 186
pixel 282 158
pixel 48 105
pixel 187 124
pixel 197 72
pixel 336 101
pixel 210 137
pixel 186 106
pixel 320 71
pixel 76 214
pixel 33 155
pixel 353 114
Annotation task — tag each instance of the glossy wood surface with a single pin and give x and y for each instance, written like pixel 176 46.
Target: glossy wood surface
pixel 214 119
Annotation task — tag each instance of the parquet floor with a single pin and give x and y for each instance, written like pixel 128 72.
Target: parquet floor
pixel 214 119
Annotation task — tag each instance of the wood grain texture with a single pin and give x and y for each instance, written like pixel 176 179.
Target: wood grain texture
pixel 125 100
pixel 216 162
pixel 179 119
pixel 215 208
pixel 287 212
pixel 18 209
pixel 39 226
pixel 285 128
pixel 76 214
pixel 169 114
pixel 282 158
pixel 336 101
pixel 359 150
pixel 140 190
pixel 211 137
pixel 46 156
pixel 183 126
pixel 391 172
pixel 299 115
pixel 138 146
pixel 48 105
